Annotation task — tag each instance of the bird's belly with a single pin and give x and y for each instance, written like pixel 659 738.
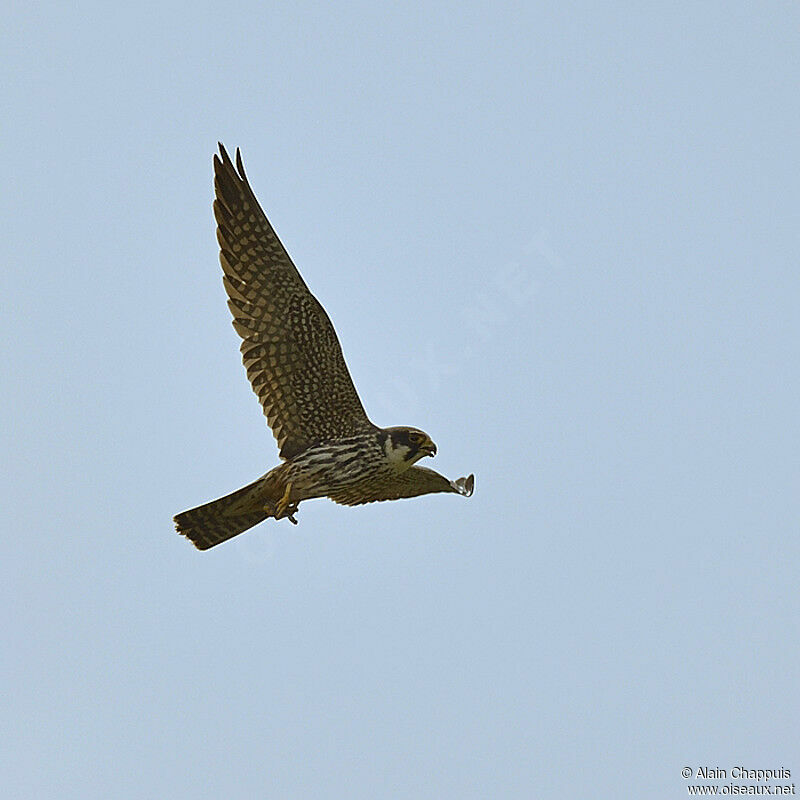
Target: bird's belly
pixel 324 469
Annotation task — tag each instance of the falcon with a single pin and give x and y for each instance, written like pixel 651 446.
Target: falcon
pixel 328 446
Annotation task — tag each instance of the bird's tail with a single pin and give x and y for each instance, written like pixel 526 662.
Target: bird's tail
pixel 222 519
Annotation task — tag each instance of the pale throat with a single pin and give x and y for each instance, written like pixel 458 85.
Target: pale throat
pixel 396 455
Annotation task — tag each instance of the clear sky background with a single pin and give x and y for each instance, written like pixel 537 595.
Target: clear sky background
pixel 561 238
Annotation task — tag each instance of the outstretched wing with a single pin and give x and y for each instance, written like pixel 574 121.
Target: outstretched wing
pixel 411 483
pixel 290 349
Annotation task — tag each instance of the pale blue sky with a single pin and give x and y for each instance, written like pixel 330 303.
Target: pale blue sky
pixel 563 242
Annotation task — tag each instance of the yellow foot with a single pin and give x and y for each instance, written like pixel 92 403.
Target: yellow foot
pixel 284 507
pixel 283 503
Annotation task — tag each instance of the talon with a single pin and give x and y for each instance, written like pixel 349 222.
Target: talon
pixel 290 512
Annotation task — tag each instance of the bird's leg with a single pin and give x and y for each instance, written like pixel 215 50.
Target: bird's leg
pixel 284 505
pixel 289 513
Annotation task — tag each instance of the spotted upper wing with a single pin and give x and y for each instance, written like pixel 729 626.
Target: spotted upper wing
pixel 410 483
pixel 290 349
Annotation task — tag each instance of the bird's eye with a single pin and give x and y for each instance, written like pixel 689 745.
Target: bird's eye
pixel 415 438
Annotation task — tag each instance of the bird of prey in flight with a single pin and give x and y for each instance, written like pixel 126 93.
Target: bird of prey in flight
pixel 328 446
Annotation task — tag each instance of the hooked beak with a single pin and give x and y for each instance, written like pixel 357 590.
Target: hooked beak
pixel 428 448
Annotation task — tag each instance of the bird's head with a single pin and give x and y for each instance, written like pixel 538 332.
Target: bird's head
pixel 404 446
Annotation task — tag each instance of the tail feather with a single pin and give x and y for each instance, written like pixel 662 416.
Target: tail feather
pixel 222 519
